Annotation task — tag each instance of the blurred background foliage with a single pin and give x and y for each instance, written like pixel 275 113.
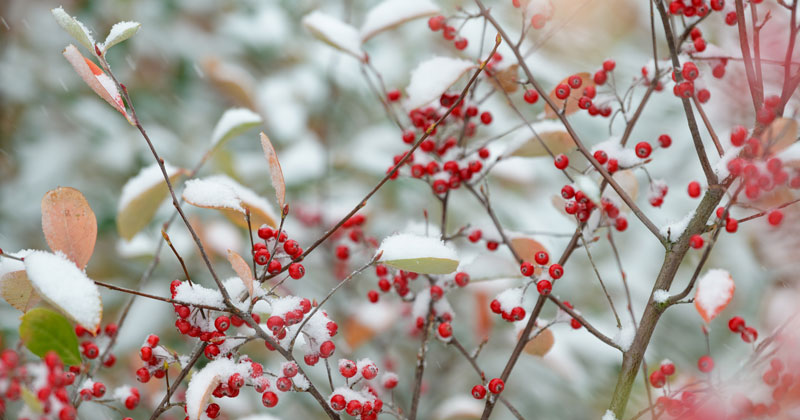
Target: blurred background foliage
pixel 193 59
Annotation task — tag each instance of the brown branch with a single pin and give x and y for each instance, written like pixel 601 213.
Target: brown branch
pixel 421 354
pixel 175 251
pixel 600 279
pixel 589 327
pixel 154 297
pixel 709 127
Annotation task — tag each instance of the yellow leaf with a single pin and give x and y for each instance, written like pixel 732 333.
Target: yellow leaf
pixel 141 197
pixel 18 291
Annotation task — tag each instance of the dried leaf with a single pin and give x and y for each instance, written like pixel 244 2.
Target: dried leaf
pixel 540 344
pixel 69 224
pixel 275 171
pixel 233 81
pixel 627 180
pixel 17 290
pixel 572 99
pixel 781 134
pixel 390 14
pixel 555 138
pixel 506 79
pixel 527 248
pixel 242 269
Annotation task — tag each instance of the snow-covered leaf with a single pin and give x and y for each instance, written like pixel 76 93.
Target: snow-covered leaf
pixel 541 343
pixel 275 171
pixel 433 77
pixel 334 32
pixel 94 76
pixel 43 330
pixel 233 122
pixel 120 32
pixel 62 284
pixel 242 269
pixel 74 27
pixel 554 136
pixel 589 187
pixel 419 254
pixel 714 291
pixel 69 224
pixel 141 196
pixel 572 99
pixel 392 13
pixel 231 198
pixel 16 289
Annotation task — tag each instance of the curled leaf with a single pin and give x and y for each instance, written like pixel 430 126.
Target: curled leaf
pixel 94 76
pixel 233 122
pixel 141 196
pixel 572 99
pixel 74 27
pixel 714 291
pixel 69 224
pixel 334 32
pixel 120 32
pixel 275 171
pixel 242 269
pixel 16 289
pixel 392 13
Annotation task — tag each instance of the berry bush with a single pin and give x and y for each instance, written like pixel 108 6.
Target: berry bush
pixel 453 209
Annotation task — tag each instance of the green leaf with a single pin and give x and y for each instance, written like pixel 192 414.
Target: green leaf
pixel 425 265
pixel 74 27
pixel 120 32
pixel 43 330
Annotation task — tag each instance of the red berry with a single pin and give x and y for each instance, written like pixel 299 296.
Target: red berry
pixel 460 43
pixel 143 375
pixel 296 270
pixel 436 293
pixel 445 330
pixel 705 364
pixel 462 279
pixel 269 399
pixel 544 287
pixel 494 305
pixel 643 149
pixel 556 271
pixel 667 368
pixel 436 23
pixel 696 241
pixel 749 334
pixel 262 257
pixel 212 411
pixel 236 381
pixel 492 245
pixel 347 368
pixel 526 269
pixel 731 225
pixel 146 353
pixel 342 252
pixel 736 324
pixel 690 71
pixel 620 223
pixel 486 117
pixel 561 161
pixel 664 140
pixel 90 350
pixel 372 296
pixel 574 81
pixel 541 257
pixel 694 189
pixel 353 408
pixel 211 351
pixel 774 218
pixel 600 77
pixel 393 95
pixel 657 379
pixel 311 359
pixel 531 96
pixel 222 323
pixel 338 402
pixel 265 232
pixel 478 392
pixel 369 371
pixel 496 386
pixel 562 91
pixel 327 349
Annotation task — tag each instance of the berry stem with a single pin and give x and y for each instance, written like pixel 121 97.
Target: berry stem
pixel 164 405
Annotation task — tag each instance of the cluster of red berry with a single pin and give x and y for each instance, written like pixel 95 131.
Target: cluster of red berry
pixel 495 386
pixel 89 347
pixel 695 8
pixel 439 23
pixel 738 326
pixel 290 251
pixel 48 383
pixel 364 403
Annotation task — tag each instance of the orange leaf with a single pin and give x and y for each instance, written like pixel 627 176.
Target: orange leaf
pixel 714 292
pixel 275 171
pixel 540 344
pixel 242 270
pixel 506 79
pixel 527 248
pixel 572 99
pixel 69 224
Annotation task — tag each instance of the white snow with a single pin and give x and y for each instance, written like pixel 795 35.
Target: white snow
pixel 122 393
pixel 589 187
pixel 624 156
pixel 197 294
pixel 721 166
pixel 204 381
pixel 74 27
pixel 391 13
pixel 146 179
pixel 609 416
pixel 7 265
pixel 120 32
pixel 714 290
pixel 420 307
pixel 232 122
pixel 624 336
pixel 675 229
pixel 209 192
pixel 433 77
pixel 660 296
pixel 334 32
pixel 509 299
pixel 791 154
pixel 351 395
pixel 59 281
pixel 408 246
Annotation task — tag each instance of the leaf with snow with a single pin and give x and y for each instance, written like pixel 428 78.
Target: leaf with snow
pixel 275 171
pixel 589 187
pixel 204 381
pixel 17 290
pixel 433 77
pixel 69 224
pixel 94 76
pixel 141 196
pixel 714 292
pixel 573 98
pixel 62 284
pixel 418 254
pixel 121 31
pixel 242 270
pixel 392 13
pixel 552 134
pixel 231 198
pixel 334 32
pixel 233 122
pixel 43 330
pixel 74 27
